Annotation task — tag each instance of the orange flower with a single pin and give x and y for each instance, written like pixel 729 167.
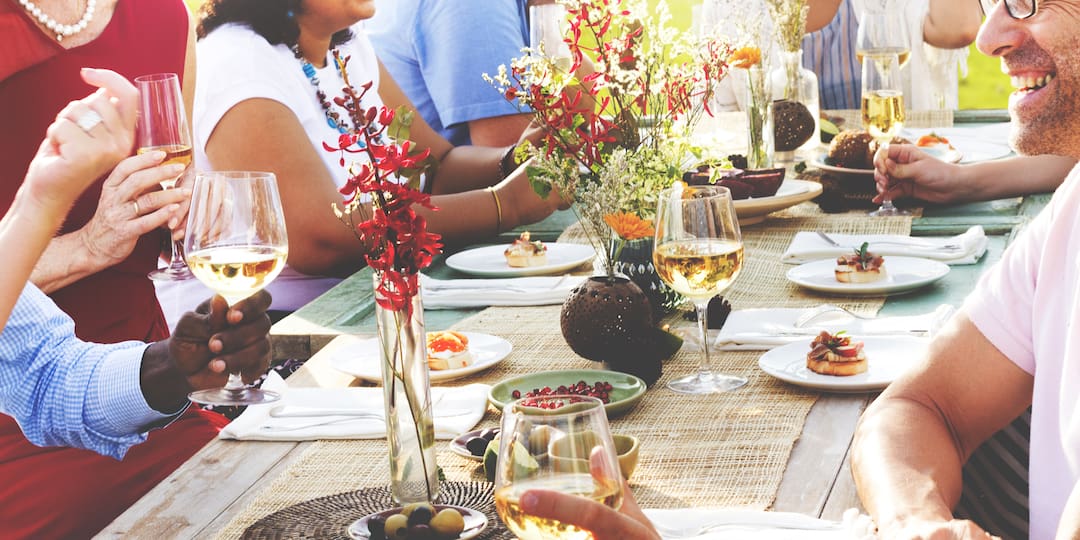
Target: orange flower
pixel 629 226
pixel 746 57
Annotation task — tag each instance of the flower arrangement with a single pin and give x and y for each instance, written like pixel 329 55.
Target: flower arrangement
pixel 398 246
pixel 618 136
pixel 789 18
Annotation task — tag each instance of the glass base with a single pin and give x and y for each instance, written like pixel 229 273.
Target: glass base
pixel 234 397
pixel 176 272
pixel 696 384
pixel 888 210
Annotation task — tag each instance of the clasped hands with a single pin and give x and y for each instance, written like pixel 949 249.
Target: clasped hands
pixel 207 344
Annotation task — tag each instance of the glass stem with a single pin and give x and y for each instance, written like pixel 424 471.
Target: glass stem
pixel 705 367
pixel 235 383
pixel 177 258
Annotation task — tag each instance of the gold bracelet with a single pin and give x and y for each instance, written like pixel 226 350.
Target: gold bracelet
pixel 498 210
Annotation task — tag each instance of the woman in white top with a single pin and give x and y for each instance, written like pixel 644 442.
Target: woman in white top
pixel 256 108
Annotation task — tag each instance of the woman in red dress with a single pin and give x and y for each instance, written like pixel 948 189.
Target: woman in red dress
pixel 95 269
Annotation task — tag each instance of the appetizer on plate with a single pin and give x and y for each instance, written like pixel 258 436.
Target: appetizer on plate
pixel 934 144
pixel 524 252
pixel 836 354
pixel 448 350
pixel 860 267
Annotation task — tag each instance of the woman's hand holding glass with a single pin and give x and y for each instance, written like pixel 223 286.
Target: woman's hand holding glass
pixel 586 465
pixel 236 244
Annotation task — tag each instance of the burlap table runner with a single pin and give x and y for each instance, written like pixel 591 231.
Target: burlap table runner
pixel 728 449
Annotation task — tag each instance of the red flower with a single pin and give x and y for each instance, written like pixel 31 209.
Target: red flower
pixel 400 244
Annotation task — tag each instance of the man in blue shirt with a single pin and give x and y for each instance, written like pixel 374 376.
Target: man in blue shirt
pixel 438 50
pixel 61 390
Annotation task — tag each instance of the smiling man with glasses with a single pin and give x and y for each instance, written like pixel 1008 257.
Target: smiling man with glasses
pixel 1013 344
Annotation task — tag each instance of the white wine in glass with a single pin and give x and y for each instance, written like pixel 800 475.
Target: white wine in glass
pixel 883 31
pixel 163 125
pixel 883 108
pixel 587 465
pixel 699 253
pixel 236 244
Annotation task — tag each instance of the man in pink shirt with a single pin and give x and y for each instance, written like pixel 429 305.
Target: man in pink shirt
pixel 1011 344
pixel 1010 347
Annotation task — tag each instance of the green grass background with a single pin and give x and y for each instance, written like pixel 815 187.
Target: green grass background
pixel 984 88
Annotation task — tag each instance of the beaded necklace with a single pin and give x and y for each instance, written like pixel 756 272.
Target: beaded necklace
pixel 333 119
pixel 62 30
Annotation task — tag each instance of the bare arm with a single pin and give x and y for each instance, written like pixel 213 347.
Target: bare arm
pixel 951 24
pixel 912 441
pixel 68 160
pixel 498 130
pixel 1069 528
pixel 907 171
pixel 262 134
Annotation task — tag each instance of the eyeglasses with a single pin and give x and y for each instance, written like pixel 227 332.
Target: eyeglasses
pixel 1017 9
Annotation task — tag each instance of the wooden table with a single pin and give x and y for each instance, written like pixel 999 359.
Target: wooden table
pixel 216 484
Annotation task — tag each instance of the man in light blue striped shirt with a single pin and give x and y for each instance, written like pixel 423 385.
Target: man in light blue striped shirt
pixel 61 390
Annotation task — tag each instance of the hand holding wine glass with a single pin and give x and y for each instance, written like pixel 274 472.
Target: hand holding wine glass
pixel 586 465
pixel 236 244
pixel 699 253
pixel 883 108
pixel 163 125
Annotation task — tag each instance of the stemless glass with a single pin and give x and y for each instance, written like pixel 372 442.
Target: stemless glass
pixel 586 466
pixel 162 125
pixel 883 108
pixel 236 245
pixel 699 253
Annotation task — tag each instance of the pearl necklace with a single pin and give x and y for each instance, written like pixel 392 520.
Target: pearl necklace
pixel 333 119
pixel 62 30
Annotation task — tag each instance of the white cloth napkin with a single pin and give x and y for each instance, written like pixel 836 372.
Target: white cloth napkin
pixel 523 291
pixel 689 522
pixel 809 246
pixel 457 410
pixel 764 329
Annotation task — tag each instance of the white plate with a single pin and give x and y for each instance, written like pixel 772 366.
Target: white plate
pixel 952 156
pixel 902 274
pixel 791 192
pixel 887 359
pixel 972 143
pixel 361 360
pixel 489 261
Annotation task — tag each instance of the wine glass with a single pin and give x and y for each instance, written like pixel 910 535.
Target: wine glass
pixel 699 253
pixel 883 31
pixel 162 125
pixel 547 25
pixel 586 466
pixel 883 108
pixel 236 245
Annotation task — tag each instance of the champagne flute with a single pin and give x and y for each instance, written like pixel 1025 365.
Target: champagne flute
pixel 162 125
pixel 236 245
pixel 883 108
pixel 699 253
pixel 587 465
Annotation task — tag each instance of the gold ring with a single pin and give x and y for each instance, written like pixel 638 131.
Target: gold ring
pixel 136 203
pixel 88 120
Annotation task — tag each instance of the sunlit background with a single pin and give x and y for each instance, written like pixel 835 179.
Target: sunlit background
pixel 985 87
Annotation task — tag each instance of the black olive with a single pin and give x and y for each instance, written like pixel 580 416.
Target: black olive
pixel 420 516
pixel 377 527
pixel 490 433
pixel 476 445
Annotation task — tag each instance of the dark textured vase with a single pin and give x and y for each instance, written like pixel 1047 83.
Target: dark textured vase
pixel 635 261
pixel 610 320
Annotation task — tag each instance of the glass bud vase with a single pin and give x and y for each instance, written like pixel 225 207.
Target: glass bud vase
pixel 759 119
pixel 410 428
pixel 796 110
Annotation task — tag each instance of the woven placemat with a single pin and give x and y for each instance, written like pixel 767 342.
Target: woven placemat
pixel 726 449
pixel 329 517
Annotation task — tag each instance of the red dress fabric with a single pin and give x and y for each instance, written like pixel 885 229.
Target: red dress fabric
pixel 65 492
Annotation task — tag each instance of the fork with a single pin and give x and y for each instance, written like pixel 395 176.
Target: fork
pixel 913 243
pixel 676 533
pixel 823 309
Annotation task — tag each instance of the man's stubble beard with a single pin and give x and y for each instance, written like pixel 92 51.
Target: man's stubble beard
pixel 1055 127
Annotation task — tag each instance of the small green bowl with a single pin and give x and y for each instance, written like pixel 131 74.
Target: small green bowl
pixel 570 453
